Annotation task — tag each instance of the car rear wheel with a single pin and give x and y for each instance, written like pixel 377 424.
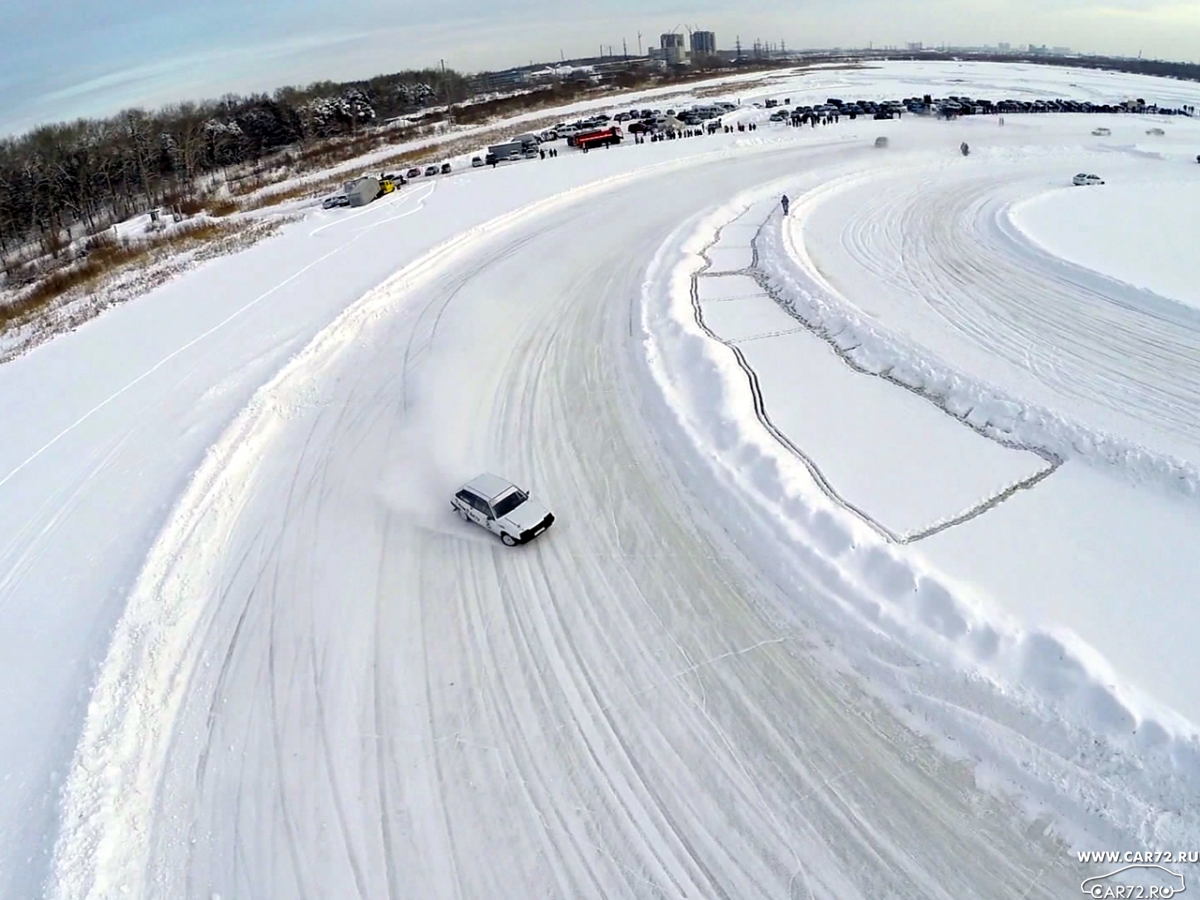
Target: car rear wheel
pixel 509 540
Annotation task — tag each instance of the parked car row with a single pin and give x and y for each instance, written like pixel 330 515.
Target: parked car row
pixel 967 106
pixel 385 184
pixel 643 119
pixel 956 105
pixel 415 172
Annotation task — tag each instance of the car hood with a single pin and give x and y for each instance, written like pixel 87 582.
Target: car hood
pixel 528 515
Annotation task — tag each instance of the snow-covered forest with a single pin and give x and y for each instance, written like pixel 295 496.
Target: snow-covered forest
pixel 82 176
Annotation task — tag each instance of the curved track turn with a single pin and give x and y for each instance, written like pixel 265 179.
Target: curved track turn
pixel 937 256
pixel 385 703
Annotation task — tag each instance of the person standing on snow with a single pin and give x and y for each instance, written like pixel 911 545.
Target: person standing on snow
pixel 785 203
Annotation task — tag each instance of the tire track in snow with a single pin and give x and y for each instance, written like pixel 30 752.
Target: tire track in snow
pixel 391 871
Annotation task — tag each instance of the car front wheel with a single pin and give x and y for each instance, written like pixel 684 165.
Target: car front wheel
pixel 509 540
pixel 462 514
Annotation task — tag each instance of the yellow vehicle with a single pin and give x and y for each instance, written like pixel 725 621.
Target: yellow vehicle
pixel 386 186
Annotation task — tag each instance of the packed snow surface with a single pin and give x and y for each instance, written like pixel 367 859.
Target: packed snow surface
pixel 872 570
pixel 1142 233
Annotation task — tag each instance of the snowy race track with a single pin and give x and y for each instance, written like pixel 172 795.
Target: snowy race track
pixel 934 254
pixel 354 696
pixel 926 268
pixel 708 679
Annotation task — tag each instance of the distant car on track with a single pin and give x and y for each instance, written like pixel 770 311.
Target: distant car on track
pixel 339 200
pixel 1101 132
pixel 431 170
pixel 1082 179
pixel 445 168
pixel 502 508
pixel 476 162
pixel 413 173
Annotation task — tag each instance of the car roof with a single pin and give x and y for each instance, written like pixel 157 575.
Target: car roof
pixel 488 486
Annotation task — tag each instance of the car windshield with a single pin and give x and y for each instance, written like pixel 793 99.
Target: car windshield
pixel 508 503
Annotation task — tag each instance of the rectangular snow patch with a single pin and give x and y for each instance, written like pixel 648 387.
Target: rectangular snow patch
pixel 731 287
pixel 729 257
pixel 893 454
pixel 732 251
pixel 747 318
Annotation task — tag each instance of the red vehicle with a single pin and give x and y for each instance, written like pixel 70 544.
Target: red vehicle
pixel 597 138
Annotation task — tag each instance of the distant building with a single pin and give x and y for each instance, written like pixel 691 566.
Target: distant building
pixel 672 47
pixel 1061 51
pixel 500 81
pixel 1003 47
pixel 561 72
pixel 704 43
pixel 916 46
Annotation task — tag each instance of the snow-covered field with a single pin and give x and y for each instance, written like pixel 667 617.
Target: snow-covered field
pixel 1141 232
pixel 873 571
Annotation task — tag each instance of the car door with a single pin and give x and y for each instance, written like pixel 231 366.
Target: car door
pixel 477 509
pixel 486 517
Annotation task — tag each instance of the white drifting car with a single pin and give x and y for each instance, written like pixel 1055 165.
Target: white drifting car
pixel 502 508
pixel 1081 179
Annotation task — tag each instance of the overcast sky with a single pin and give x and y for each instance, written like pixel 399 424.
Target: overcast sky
pixel 61 59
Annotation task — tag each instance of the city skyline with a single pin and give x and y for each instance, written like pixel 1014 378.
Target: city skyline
pixel 140 55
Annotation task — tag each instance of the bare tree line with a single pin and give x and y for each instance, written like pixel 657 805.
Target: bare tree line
pixel 61 180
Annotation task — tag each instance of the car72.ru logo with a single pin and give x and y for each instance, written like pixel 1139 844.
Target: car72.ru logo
pixel 1104 887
